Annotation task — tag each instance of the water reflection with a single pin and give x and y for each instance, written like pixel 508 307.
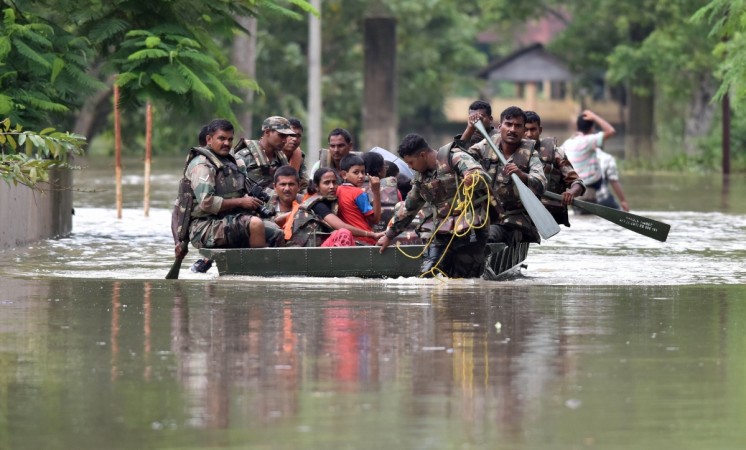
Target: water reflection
pixel 606 341
pixel 440 368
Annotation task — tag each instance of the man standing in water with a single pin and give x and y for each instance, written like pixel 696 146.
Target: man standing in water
pixel 436 182
pixel 581 149
pixel 561 176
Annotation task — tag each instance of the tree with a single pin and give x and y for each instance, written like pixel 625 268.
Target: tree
pixel 435 55
pixel 44 70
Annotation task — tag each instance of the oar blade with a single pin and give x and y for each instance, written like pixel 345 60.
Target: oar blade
pixel 173 274
pixel 639 224
pixel 543 220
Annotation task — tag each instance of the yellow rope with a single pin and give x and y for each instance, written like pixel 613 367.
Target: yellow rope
pixel 463 203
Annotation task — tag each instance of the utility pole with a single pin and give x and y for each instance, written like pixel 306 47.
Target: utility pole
pixel 313 144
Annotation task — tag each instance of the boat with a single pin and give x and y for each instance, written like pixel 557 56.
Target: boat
pixel 361 261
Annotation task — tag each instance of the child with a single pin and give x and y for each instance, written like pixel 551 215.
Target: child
pixel 389 192
pixel 354 204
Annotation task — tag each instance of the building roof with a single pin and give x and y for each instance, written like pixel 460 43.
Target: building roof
pixel 529 64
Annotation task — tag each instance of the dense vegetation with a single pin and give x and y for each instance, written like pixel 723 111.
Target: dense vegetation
pixel 59 60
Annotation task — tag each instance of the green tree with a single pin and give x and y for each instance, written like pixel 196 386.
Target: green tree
pixel 436 55
pixel 43 70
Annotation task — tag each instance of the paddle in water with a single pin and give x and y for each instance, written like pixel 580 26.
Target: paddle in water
pixel 544 222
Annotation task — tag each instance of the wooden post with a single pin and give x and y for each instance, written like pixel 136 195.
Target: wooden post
pixel 380 117
pixel 148 153
pixel 117 153
pixel 531 94
pixel 726 135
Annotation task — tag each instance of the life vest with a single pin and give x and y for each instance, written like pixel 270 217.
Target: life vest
pixel 547 150
pixel 555 182
pixel 259 168
pixel 440 190
pixel 307 225
pixel 230 182
pixel 504 189
pixel 389 198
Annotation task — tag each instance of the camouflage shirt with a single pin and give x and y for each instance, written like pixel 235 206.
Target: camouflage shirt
pixel 259 168
pixel 511 210
pixel 557 168
pixel 212 184
pixel 560 174
pixel 438 188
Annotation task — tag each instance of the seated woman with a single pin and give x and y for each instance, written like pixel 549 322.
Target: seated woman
pixel 318 214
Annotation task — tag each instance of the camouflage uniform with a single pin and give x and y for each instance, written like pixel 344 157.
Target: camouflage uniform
pixel 215 178
pixel 560 175
pixel 476 138
pixel 512 223
pixel 259 168
pixel 439 188
pixel 389 198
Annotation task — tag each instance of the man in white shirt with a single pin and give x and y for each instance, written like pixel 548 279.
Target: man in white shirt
pixel 581 148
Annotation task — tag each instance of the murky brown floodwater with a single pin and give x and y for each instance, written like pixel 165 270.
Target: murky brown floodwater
pixel 608 340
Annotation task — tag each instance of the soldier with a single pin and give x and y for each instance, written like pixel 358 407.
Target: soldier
pixel 512 223
pixel 294 154
pixel 221 217
pixel 264 156
pixel 436 182
pixel 561 177
pixel 480 110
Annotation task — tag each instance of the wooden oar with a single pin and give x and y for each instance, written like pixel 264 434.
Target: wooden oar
pixel 544 222
pixel 642 225
pixel 181 251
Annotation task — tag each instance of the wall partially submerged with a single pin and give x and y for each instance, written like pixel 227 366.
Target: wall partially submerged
pixel 28 215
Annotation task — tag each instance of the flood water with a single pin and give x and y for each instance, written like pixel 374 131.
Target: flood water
pixel 606 340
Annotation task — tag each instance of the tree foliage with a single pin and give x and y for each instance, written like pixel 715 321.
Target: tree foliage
pixel 727 22
pixel 28 156
pixel 43 70
pixel 435 55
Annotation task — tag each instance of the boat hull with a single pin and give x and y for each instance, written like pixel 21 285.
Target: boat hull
pixel 363 262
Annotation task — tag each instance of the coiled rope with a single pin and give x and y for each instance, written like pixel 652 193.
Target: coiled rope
pixel 464 203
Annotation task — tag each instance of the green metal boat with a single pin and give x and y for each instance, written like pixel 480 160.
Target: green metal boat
pixel 363 262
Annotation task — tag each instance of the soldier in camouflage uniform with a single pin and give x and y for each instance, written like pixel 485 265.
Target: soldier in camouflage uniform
pixel 295 156
pixel 437 177
pixel 221 217
pixel 512 223
pixel 478 110
pixel 264 156
pixel 561 176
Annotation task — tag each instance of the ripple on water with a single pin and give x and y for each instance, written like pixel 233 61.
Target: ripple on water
pixel 702 248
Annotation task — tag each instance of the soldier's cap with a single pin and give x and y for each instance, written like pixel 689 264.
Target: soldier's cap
pixel 279 124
